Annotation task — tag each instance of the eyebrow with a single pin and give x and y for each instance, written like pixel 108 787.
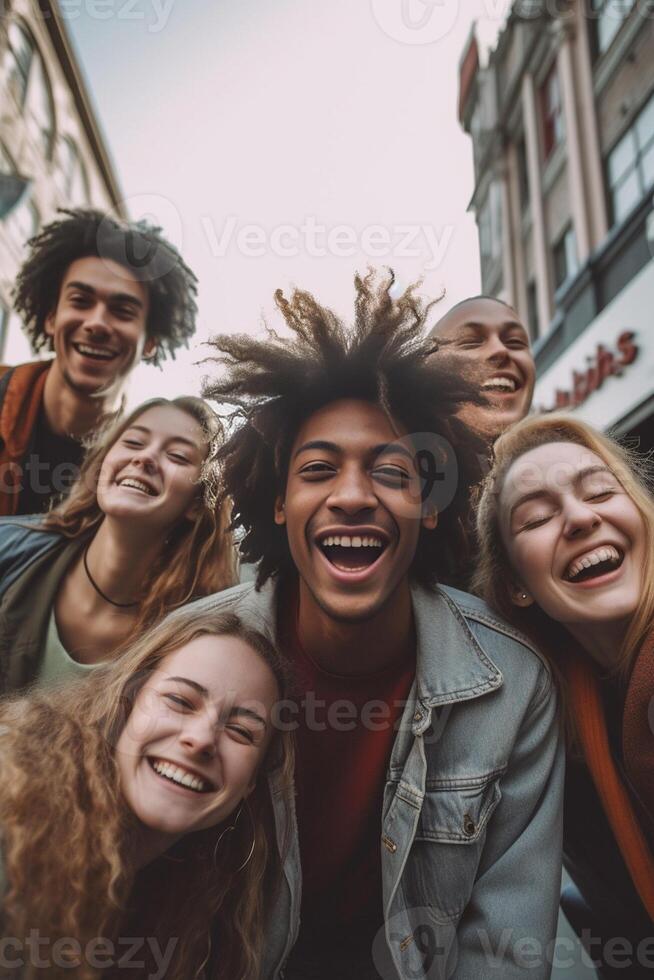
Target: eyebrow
pixel 144 428
pixel 331 447
pixel 235 712
pixel 194 684
pixel 543 492
pixel 84 287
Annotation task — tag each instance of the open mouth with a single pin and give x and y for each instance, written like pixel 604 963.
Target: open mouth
pixel 352 553
pixel 501 384
pixel 135 484
pixel 594 564
pixel 96 353
pixel 180 776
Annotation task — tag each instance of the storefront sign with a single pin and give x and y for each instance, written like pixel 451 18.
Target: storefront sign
pixel 602 364
pixel 607 372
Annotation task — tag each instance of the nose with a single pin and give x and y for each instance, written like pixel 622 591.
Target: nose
pixel 199 735
pixel 96 321
pixel 352 491
pixel 580 518
pixel 497 351
pixel 145 456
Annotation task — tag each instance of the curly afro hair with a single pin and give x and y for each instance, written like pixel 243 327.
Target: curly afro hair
pixel 273 385
pixel 137 246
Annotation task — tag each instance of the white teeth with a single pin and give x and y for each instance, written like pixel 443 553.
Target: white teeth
pixel 95 351
pixel 595 557
pixel 135 484
pixel 345 541
pixel 177 775
pixel 505 384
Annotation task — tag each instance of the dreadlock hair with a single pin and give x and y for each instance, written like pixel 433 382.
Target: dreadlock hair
pixel 275 384
pixel 138 246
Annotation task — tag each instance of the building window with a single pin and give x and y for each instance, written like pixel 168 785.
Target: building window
pixel 565 258
pixel 609 15
pixel 490 225
pixel 19 55
pixel 552 113
pixel 523 173
pixel 23 221
pixel 533 325
pixel 28 82
pixel 630 165
pixel 71 174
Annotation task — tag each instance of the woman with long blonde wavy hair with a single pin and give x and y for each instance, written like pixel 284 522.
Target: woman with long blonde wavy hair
pixel 140 533
pixel 136 830
pixel 565 522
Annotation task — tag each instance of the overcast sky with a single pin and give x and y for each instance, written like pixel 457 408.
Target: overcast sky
pixel 284 142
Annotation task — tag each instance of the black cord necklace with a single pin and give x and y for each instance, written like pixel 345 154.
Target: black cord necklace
pixel 121 605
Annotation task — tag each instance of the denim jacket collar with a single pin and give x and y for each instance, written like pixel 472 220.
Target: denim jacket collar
pixel 451 665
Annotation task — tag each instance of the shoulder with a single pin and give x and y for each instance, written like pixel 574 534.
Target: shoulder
pixel 506 645
pixel 256 608
pixel 22 540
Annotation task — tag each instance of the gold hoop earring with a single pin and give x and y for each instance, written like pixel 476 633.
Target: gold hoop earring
pixel 233 827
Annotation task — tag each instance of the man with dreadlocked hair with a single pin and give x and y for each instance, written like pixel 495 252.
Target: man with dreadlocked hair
pixel 429 766
pixel 101 294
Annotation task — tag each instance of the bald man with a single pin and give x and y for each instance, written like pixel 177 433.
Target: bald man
pixel 489 335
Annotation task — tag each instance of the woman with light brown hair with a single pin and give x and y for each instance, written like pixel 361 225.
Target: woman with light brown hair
pixel 139 534
pixel 566 530
pixel 136 804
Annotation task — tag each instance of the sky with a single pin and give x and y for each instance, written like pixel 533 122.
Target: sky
pixel 288 143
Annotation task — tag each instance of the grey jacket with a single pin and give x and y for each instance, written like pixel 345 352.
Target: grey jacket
pixel 470 832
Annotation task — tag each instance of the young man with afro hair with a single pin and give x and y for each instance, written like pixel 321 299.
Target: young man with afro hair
pixel 426 823
pixel 101 294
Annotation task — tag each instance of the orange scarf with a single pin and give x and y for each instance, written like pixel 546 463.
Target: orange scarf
pixel 586 705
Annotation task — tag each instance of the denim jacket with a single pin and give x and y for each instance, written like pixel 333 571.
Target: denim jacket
pixel 470 832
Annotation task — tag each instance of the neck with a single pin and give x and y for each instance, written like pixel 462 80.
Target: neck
pixel 70 412
pixel 602 641
pixel 120 559
pixel 146 845
pixel 359 647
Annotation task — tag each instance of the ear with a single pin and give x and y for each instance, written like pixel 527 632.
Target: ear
pixel 280 516
pixel 149 349
pixel 520 597
pixel 193 509
pixel 430 519
pixel 48 323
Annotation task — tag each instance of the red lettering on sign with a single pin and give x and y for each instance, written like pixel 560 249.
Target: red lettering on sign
pixel 602 364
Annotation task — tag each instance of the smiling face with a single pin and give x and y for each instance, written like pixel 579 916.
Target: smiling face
pixel 352 509
pixel 151 472
pixel 575 539
pixel 490 337
pixel 98 327
pixel 196 736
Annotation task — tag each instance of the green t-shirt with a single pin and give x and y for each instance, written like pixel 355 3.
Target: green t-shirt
pixel 57 664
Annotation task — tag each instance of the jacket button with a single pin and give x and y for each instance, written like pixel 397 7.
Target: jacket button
pixel 468 825
pixel 417 716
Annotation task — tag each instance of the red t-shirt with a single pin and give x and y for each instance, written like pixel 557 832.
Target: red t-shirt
pixel 346 729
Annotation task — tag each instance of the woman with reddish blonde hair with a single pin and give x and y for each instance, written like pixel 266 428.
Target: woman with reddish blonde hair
pixel 566 530
pixel 140 533
pixel 136 833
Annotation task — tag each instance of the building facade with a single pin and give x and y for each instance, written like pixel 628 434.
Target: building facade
pixel 52 153
pixel 562 123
